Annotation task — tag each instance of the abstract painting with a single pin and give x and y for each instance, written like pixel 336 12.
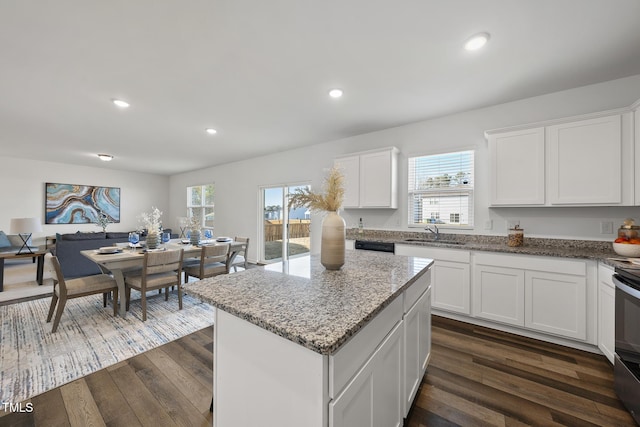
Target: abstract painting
pixel 81 204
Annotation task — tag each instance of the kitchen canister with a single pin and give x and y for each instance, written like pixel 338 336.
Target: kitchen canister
pixel 516 236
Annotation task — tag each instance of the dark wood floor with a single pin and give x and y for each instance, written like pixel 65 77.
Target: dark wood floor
pixel 476 377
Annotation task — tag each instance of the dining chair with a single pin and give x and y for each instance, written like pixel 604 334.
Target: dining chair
pixel 159 270
pixel 214 260
pixel 241 256
pixel 64 290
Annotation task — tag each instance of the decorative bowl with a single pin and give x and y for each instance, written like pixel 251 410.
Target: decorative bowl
pixel 627 249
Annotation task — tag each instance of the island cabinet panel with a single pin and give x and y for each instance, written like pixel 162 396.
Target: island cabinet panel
pixel 347 360
pixel 265 369
pixel 498 294
pixel 417 347
pixel 606 311
pixel 373 397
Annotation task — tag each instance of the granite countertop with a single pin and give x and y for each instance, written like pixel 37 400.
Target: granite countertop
pixel 320 311
pixel 564 248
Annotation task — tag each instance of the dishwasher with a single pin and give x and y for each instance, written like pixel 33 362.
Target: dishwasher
pixel 372 245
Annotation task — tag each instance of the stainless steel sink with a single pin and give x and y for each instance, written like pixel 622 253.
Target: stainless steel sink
pixel 441 242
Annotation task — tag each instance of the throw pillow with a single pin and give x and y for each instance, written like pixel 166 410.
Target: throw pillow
pixel 4 240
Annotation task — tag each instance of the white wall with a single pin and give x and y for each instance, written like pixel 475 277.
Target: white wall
pixel 22 193
pixel 237 183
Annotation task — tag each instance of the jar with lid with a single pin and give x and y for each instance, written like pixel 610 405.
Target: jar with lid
pixel 628 230
pixel 516 236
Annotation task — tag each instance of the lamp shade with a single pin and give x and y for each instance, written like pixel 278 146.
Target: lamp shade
pixel 25 225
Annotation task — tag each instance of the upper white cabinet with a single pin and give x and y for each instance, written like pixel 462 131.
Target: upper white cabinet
pixel 579 161
pixel 517 165
pixel 371 178
pixel 585 162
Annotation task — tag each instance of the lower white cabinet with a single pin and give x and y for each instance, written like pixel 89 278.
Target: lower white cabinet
pixel 498 294
pixel 542 294
pixel 373 396
pixel 606 311
pixel 417 347
pixel 556 303
pixel 450 277
pixel 374 378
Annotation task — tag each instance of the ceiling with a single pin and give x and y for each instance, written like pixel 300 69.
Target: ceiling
pixel 259 71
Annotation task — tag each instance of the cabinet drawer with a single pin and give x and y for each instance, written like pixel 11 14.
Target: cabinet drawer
pixel 532 262
pixel 344 364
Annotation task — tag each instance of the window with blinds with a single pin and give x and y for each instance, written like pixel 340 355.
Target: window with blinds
pixel 441 189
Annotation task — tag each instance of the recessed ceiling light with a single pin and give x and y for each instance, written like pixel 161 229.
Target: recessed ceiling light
pixel 120 103
pixel 476 41
pixel 335 93
pixel 105 157
pixel 211 131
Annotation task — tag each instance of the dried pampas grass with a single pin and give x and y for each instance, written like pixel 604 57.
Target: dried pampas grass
pixel 330 200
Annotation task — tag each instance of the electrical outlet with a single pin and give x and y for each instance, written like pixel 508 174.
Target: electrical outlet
pixel 606 227
pixel 488 225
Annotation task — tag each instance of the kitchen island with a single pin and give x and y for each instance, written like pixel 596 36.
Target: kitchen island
pixel 295 344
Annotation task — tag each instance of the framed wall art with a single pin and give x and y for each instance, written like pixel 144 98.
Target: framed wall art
pixel 81 204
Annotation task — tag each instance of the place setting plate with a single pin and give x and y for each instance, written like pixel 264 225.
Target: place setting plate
pixel 107 250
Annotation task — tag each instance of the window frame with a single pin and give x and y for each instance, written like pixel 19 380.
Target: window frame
pixel 203 206
pixel 436 197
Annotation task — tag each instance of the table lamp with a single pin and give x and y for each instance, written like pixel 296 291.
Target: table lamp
pixel 24 227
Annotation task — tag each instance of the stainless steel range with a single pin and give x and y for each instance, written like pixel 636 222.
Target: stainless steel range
pixel 627 344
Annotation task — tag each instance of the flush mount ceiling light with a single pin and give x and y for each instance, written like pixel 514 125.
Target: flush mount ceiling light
pixel 335 93
pixel 211 131
pixel 105 157
pixel 120 103
pixel 476 41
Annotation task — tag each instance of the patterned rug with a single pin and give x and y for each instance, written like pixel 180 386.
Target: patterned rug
pixel 89 338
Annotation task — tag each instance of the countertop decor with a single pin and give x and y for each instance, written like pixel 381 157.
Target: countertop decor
pixel 333 225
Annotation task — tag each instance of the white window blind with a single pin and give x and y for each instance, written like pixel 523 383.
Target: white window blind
pixel 441 189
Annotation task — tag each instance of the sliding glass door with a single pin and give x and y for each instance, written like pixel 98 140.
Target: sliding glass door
pixel 285 232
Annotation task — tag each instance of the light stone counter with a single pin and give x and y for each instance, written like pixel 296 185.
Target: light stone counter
pixel 309 305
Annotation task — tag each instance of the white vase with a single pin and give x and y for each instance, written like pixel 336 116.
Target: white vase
pixel 333 237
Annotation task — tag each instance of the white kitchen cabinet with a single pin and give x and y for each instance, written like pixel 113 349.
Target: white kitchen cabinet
pixel 450 277
pixel 350 167
pixel 535 293
pixel 585 161
pixel 417 347
pixel 371 178
pixel 606 311
pixel 577 161
pixel 517 167
pixel 374 396
pixel 498 294
pixel 556 303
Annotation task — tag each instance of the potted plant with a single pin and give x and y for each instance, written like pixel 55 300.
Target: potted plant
pixel 333 225
pixel 153 225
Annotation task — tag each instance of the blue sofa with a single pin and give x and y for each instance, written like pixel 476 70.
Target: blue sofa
pixel 68 247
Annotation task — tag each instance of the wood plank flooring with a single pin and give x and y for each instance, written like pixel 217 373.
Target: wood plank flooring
pixel 476 377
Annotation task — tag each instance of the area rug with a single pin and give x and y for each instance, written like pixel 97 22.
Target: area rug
pixel 89 338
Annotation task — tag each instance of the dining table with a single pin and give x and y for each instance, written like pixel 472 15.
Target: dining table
pixel 130 258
